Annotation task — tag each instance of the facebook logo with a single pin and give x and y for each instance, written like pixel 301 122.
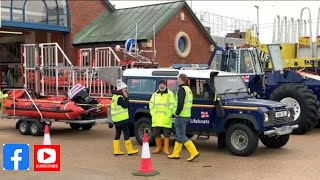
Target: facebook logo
pixel 15 156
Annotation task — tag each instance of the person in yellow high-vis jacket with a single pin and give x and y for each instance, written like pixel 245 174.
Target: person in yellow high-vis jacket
pixel 184 99
pixel 2 96
pixel 161 105
pixel 120 118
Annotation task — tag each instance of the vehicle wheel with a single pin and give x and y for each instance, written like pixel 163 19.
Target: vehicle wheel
pixel 36 129
pixel 86 127
pixel 275 141
pixel 143 124
pixel 24 128
pixel 318 122
pixel 304 102
pixel 190 136
pixel 241 140
pixel 75 126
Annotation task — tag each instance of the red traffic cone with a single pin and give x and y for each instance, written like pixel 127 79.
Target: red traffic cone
pixel 146 168
pixel 46 138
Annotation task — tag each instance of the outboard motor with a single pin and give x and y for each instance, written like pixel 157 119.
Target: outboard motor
pixel 80 94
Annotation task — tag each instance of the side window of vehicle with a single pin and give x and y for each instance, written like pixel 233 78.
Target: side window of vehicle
pixel 141 86
pixel 173 85
pixel 200 89
pixel 232 64
pixel 245 62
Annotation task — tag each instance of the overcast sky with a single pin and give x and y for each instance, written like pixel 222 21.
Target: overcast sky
pixel 245 10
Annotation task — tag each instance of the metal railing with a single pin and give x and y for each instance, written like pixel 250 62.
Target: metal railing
pixel 49 71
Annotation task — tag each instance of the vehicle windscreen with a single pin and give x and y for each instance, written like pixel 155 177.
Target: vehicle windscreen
pixel 229 84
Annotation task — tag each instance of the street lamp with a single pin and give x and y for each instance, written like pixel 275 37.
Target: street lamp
pixel 257 23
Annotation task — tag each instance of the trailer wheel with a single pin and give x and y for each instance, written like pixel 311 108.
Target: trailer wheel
pixel 304 102
pixel 75 126
pixel 36 129
pixel 141 125
pixel 275 141
pixel 241 140
pixel 24 127
pixel 86 127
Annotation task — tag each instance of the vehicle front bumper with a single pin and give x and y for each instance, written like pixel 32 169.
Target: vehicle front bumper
pixel 281 130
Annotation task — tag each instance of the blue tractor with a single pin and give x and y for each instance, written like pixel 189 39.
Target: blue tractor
pixel 299 89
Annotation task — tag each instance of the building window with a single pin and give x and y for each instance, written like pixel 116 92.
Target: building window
pixel 18 4
pixel 35 12
pixel 5 9
pixel 63 12
pixel 182 44
pixel 45 14
pixel 52 12
pixel 17 15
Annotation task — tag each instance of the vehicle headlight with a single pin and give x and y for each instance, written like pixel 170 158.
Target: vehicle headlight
pixel 266 117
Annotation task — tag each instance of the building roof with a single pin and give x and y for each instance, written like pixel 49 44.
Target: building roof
pixel 168 72
pixel 110 5
pixel 120 25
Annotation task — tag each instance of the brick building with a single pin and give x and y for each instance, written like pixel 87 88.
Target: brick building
pixel 43 21
pixel 74 24
pixel 179 35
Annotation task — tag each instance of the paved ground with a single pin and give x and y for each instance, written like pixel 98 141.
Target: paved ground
pixel 88 155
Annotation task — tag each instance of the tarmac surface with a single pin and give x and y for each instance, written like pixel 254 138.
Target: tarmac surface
pixel 88 155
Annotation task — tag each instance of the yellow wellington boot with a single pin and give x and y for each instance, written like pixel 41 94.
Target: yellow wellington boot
pixel 166 146
pixel 176 151
pixel 129 147
pixel 116 148
pixel 159 146
pixel 192 150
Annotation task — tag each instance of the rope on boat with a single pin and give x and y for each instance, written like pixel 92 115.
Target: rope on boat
pixel 99 105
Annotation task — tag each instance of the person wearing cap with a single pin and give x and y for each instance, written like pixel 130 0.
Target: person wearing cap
pixel 120 118
pixel 184 100
pixel 161 105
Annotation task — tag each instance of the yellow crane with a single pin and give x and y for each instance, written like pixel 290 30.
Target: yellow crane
pixel 304 53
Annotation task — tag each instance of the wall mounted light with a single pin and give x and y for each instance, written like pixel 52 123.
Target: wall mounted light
pixel 10 32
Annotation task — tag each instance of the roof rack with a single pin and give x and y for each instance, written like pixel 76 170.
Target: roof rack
pixel 190 66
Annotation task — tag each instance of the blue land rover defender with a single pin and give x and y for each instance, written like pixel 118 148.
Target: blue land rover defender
pixel 221 107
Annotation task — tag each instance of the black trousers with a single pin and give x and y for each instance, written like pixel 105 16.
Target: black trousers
pixel 124 127
pixel 157 131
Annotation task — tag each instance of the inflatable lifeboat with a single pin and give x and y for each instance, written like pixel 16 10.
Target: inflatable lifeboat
pixel 78 107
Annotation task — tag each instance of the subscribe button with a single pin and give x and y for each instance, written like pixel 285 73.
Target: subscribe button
pixel 46 157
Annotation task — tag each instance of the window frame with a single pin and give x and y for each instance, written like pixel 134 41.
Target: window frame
pixel 40 25
pixel 141 92
pixel 187 49
pixel 198 88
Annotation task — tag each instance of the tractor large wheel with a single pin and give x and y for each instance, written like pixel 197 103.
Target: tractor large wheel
pixel 304 102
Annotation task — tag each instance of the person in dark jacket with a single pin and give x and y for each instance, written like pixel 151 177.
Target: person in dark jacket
pixel 183 115
pixel 120 118
pixel 4 80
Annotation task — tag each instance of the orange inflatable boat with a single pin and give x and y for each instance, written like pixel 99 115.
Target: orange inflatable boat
pixel 78 107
